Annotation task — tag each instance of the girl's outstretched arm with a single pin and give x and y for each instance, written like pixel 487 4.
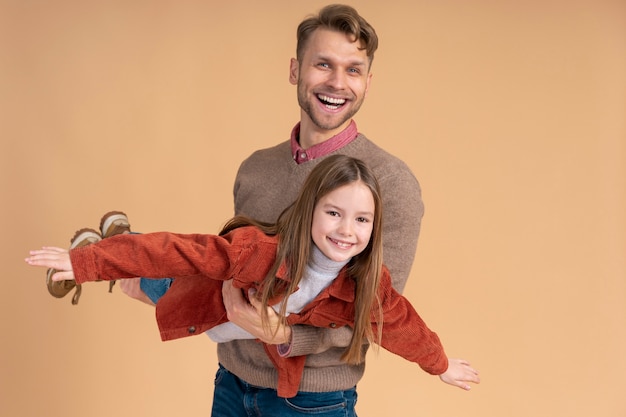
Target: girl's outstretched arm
pixel 460 374
pixel 53 257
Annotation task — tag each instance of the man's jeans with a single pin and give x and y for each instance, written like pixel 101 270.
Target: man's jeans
pixel 234 397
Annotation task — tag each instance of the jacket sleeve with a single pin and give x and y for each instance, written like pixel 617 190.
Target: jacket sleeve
pixel 160 255
pixel 406 334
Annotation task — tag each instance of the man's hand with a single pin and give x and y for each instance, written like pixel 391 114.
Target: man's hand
pixel 247 315
pixel 132 288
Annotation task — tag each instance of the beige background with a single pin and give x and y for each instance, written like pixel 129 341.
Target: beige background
pixel 510 113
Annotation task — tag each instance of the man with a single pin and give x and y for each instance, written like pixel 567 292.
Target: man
pixel 332 73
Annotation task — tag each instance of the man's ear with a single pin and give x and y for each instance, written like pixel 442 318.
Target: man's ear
pixel 367 83
pixel 294 69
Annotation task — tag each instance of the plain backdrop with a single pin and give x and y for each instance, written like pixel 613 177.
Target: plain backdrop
pixel 510 113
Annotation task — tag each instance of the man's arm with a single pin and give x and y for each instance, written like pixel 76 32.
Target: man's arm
pixel 247 315
pixel 132 288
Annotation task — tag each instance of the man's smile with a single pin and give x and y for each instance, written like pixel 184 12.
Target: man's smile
pixel 330 102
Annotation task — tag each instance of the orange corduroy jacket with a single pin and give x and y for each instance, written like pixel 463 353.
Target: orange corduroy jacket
pixel 200 263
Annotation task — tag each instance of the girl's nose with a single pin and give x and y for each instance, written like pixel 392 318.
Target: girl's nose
pixel 345 228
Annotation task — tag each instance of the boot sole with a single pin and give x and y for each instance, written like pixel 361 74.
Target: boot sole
pixel 60 289
pixel 113 218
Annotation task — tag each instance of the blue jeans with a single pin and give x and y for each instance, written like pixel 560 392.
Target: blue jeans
pixel 155 288
pixel 234 397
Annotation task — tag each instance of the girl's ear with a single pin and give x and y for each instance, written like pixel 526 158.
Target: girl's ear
pixel 293 71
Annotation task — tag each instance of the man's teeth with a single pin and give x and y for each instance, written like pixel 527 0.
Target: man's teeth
pixel 332 102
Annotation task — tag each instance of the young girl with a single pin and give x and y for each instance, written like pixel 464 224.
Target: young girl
pixel 320 264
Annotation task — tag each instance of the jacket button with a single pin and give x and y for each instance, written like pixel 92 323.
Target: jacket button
pixel 191 329
pixel 333 325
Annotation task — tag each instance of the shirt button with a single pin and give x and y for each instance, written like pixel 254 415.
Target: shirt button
pixel 191 329
pixel 333 325
pixel 303 155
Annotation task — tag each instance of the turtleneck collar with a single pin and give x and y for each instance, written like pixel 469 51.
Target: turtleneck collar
pixel 322 264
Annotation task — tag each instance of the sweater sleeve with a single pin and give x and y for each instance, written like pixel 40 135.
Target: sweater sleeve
pixel 403 210
pixel 160 255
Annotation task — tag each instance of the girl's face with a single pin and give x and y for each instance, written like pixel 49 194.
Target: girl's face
pixel 343 221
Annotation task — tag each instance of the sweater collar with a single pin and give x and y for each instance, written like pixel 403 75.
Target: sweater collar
pixel 317 261
pixel 342 287
pixel 324 265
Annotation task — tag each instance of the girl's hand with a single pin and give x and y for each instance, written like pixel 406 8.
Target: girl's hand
pixel 459 374
pixel 53 257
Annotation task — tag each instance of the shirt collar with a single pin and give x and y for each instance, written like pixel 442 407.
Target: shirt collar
pixel 338 141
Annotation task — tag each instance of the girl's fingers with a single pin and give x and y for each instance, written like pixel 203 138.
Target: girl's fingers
pixel 48 249
pixel 50 257
pixel 54 249
pixel 62 276
pixel 42 258
pixel 48 263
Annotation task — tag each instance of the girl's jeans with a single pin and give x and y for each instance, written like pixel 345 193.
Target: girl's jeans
pixel 155 288
pixel 234 397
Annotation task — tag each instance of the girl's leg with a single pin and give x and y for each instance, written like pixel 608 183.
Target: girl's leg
pixel 155 288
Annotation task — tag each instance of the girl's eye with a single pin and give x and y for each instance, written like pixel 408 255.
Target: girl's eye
pixel 333 213
pixel 362 220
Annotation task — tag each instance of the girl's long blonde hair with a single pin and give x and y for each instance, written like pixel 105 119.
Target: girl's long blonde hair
pixel 293 228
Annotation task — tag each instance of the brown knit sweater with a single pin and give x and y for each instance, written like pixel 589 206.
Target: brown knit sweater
pixel 267 182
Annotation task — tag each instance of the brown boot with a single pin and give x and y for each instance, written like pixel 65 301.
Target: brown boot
pixel 114 223
pixel 60 289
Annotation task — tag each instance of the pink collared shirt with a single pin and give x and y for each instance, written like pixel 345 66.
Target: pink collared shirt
pixel 321 149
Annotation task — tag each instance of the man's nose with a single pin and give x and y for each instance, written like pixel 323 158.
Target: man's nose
pixel 337 79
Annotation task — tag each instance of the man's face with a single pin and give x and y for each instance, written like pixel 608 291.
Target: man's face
pixel 332 78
